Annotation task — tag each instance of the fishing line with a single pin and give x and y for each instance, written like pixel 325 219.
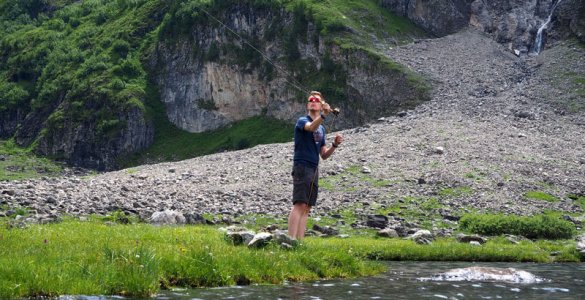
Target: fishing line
pixel 295 84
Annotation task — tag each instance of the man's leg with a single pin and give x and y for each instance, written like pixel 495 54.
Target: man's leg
pixel 303 222
pixel 295 220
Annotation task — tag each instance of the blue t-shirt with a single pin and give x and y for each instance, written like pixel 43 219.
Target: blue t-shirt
pixel 308 144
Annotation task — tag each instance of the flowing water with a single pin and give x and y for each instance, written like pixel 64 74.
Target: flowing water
pixel 405 280
pixel 538 42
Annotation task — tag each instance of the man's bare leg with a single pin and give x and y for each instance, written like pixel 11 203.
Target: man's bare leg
pixel 303 223
pixel 295 220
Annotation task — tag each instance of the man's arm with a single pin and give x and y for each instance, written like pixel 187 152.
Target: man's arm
pixel 326 152
pixel 313 126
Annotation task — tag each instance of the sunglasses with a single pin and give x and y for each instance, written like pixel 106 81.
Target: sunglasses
pixel 314 99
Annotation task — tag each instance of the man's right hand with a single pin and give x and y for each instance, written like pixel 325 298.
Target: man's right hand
pixel 326 109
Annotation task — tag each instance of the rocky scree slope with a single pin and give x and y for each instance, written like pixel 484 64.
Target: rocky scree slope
pixel 493 131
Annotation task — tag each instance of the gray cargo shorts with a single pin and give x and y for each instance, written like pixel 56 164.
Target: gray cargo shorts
pixel 305 184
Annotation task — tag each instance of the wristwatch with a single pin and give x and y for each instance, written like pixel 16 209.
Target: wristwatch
pixel 323 117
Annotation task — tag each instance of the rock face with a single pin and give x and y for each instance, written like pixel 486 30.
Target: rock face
pixel 440 17
pixel 513 23
pixel 226 80
pixel 89 146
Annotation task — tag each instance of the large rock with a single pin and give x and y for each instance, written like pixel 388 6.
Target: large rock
pixel 167 217
pixel 422 237
pixel 260 240
pixel 581 244
pixel 486 274
pixel 377 221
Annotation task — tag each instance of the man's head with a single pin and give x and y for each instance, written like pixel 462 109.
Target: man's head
pixel 315 101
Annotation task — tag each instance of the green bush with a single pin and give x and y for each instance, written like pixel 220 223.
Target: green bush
pixel 121 47
pixel 543 226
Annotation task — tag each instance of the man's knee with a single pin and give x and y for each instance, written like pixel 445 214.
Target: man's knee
pixel 302 206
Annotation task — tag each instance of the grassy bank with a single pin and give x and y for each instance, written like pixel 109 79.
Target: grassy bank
pixel 98 258
pixel 18 163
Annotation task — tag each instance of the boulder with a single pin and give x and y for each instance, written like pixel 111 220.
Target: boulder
pixel 581 244
pixel 489 274
pixel 388 232
pixel 167 217
pixel 464 238
pixel 423 237
pixel 377 221
pixel 260 240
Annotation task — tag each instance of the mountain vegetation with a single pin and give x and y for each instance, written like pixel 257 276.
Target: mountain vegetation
pixel 75 83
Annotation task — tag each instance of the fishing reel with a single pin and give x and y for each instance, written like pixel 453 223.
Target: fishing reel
pixel 336 111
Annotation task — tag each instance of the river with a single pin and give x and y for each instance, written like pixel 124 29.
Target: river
pixel 404 281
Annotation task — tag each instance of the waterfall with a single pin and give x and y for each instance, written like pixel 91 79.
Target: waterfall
pixel 538 41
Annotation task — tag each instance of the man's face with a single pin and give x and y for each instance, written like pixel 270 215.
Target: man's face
pixel 314 103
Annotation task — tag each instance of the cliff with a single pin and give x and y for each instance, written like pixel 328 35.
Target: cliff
pixel 78 79
pixel 216 73
pixel 513 23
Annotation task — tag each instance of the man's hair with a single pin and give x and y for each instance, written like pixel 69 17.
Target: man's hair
pixel 315 93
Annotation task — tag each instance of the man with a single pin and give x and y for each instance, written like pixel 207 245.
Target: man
pixel 309 145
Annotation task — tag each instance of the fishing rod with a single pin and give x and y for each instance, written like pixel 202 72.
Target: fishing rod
pixel 295 83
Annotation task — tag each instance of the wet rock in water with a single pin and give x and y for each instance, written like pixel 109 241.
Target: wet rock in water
pixel 486 274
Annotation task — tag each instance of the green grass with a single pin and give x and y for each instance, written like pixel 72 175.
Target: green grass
pixel 455 192
pixel 20 163
pixel 366 19
pixel 97 258
pixel 549 226
pixel 537 195
pixel 345 180
pixel 93 258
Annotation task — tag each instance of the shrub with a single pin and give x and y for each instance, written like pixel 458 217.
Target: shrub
pixel 11 94
pixel 121 47
pixel 543 226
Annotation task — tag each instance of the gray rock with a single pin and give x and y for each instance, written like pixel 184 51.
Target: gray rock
pixel 240 237
pixel 464 238
pixel 388 232
pixel 423 237
pixel 377 221
pixel 282 238
pixel 260 240
pixel 479 274
pixel 581 244
pixel 194 218
pixel 167 217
